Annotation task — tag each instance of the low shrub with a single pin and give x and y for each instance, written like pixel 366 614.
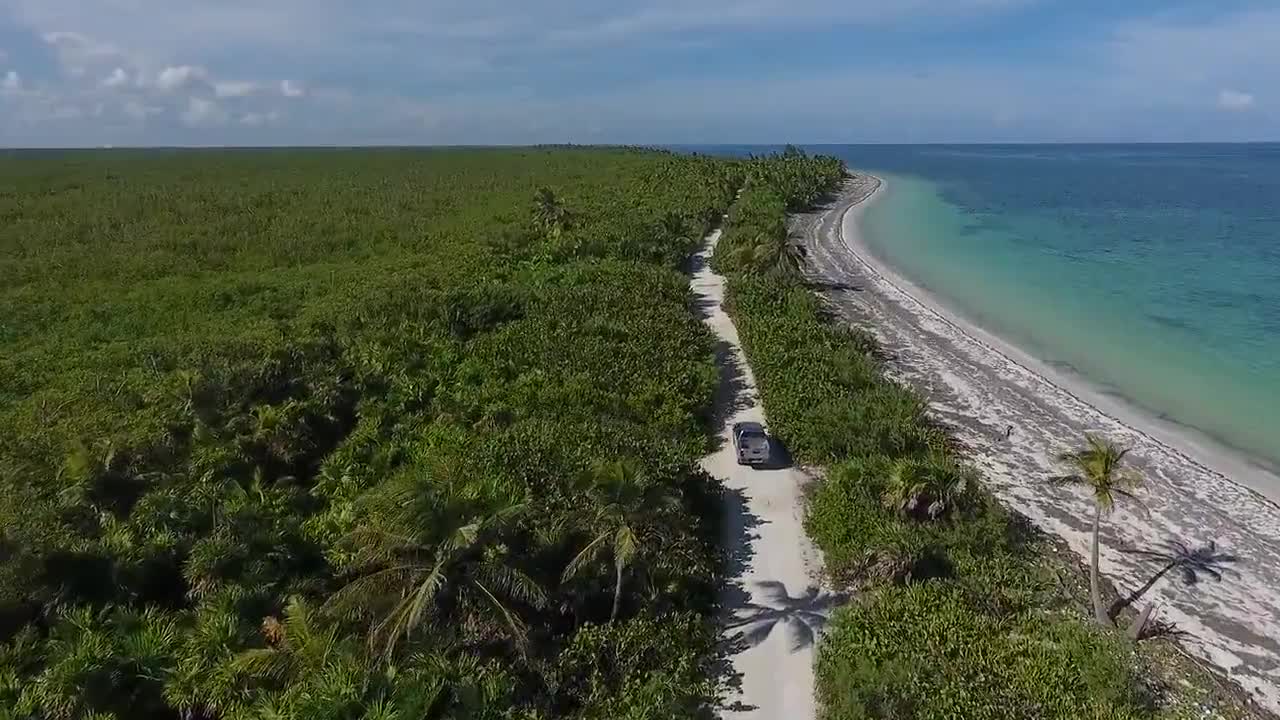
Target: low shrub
pixel 824 391
pixel 926 651
pixel 642 669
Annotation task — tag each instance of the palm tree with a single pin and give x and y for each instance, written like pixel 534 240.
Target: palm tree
pixel 673 226
pixel 205 681
pixel 299 644
pixel 622 521
pixel 97 662
pixel 309 666
pixel 436 551
pixel 935 485
pixel 1099 467
pixel 549 213
pixel 770 250
pixel 787 257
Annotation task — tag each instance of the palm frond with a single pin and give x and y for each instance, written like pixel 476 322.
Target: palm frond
pixel 365 593
pixel 625 546
pixel 407 614
pixel 375 545
pixel 515 625
pixel 1100 467
pixel 504 516
pixel 1129 496
pixel 425 594
pixel 584 558
pixel 271 663
pixel 513 583
pixel 462 537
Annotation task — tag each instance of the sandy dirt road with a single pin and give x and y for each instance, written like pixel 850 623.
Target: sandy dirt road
pixel 773 607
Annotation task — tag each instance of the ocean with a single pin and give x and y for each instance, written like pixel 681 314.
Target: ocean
pixel 1151 271
pixel 1144 284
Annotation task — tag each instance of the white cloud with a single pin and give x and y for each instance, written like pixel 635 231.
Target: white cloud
pixel 1235 100
pixel 257 119
pixel 140 111
pixel 340 97
pixel 651 17
pixel 12 82
pixel 66 112
pixel 234 88
pixel 201 112
pixel 180 76
pixel 78 53
pixel 298 28
pixel 117 78
pixel 521 72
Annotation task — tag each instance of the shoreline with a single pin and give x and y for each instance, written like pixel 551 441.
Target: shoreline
pixel 1229 463
pixel 977 384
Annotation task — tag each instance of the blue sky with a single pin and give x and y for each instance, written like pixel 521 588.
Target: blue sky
pixel 210 72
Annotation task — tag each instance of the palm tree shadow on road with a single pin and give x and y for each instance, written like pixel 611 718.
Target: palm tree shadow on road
pixel 749 622
pixel 803 616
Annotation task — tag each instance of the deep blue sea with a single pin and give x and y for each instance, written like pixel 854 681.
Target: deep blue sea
pixel 1151 270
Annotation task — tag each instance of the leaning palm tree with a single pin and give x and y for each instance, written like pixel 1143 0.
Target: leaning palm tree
pixel 622 522
pixel 435 551
pixel 1099 466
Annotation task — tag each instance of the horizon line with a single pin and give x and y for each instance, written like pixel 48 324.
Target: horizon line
pixel 469 146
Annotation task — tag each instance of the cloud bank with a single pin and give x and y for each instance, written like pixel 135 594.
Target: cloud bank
pixel 1235 100
pixel 651 71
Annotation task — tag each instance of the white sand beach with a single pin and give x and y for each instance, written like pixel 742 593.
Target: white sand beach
pixel 981 386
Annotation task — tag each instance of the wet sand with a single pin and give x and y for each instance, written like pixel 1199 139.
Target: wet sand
pixel 979 386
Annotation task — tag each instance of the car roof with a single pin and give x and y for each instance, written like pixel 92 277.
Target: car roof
pixel 748 426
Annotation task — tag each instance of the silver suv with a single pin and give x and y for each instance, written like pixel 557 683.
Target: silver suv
pixel 751 443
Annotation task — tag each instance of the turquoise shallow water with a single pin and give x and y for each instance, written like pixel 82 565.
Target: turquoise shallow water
pixel 1151 271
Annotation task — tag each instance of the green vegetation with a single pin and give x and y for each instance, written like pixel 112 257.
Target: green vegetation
pixel 924 651
pixel 355 434
pixel 757 240
pixel 621 526
pixel 957 613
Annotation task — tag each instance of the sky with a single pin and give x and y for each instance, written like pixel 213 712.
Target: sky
pixel 340 72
